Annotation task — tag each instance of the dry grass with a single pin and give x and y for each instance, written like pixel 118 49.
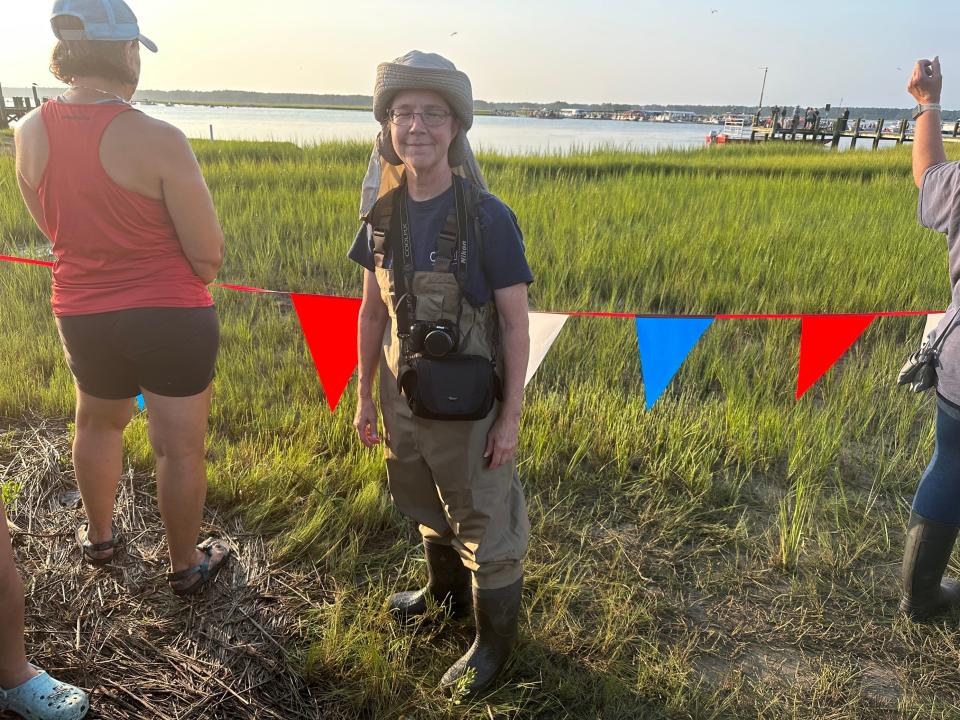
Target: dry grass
pixel 121 634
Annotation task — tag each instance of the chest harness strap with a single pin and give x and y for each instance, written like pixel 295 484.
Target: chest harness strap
pixel 451 246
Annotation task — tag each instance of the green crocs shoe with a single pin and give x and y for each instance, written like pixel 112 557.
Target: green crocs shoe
pixel 44 698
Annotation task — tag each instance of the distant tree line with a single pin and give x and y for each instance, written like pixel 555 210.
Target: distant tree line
pixel 242 97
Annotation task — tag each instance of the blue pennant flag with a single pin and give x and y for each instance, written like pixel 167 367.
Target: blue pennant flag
pixel 141 403
pixel 664 345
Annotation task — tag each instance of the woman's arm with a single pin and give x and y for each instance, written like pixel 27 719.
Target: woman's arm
pixel 188 201
pixel 32 201
pixel 370 329
pixel 926 85
pixel 513 313
pixel 30 127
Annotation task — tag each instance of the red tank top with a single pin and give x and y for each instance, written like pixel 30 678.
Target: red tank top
pixel 114 249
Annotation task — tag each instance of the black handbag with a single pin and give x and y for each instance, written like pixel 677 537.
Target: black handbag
pixel 920 369
pixel 455 387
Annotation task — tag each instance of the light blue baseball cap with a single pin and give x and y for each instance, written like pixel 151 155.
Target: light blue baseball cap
pixel 103 20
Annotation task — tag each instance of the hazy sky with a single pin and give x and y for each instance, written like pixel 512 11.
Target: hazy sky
pixel 643 51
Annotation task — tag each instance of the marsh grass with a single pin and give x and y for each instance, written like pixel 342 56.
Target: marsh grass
pixel 732 553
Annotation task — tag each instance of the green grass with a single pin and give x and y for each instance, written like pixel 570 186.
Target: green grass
pixel 732 553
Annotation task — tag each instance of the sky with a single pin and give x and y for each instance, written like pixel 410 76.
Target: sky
pixel 634 52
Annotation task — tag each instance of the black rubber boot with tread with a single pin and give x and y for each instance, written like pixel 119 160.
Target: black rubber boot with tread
pixel 496 613
pixel 448 584
pixel 927 550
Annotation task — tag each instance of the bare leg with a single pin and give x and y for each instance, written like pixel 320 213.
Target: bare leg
pixel 14 669
pixel 178 429
pixel 98 459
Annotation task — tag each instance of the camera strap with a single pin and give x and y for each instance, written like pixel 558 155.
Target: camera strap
pixel 451 244
pixel 405 302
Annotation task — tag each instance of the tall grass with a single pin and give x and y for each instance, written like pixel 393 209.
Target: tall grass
pixel 677 555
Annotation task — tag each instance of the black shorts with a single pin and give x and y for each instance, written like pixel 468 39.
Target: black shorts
pixel 166 351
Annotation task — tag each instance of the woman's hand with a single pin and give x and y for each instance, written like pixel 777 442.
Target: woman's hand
pixel 365 422
pixel 502 440
pixel 926 83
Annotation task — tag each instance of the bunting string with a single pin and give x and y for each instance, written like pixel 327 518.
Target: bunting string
pixel 664 340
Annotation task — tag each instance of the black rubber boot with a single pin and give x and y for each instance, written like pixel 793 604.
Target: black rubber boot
pixel 926 552
pixel 448 583
pixel 496 613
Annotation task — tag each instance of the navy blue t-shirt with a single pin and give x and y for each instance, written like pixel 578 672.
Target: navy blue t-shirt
pixel 504 261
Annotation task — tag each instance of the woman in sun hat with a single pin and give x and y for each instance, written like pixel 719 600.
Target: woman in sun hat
pixel 455 308
pixel 136 241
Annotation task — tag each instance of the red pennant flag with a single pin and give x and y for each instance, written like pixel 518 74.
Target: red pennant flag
pixel 330 326
pixel 823 340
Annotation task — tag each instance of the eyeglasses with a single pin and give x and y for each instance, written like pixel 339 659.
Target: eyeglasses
pixel 430 118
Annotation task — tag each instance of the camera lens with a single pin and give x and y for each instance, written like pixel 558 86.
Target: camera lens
pixel 438 342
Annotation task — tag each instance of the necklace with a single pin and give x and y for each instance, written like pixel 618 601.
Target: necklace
pixel 102 92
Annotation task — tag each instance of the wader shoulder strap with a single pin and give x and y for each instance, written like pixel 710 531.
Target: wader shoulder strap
pixel 379 219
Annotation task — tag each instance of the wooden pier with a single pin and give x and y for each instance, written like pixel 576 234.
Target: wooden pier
pixel 830 132
pixel 21 106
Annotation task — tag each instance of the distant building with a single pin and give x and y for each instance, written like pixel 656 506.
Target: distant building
pixel 676 116
pixel 572 113
pixel 632 115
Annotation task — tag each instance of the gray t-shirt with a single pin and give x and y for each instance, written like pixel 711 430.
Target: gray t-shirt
pixel 939 209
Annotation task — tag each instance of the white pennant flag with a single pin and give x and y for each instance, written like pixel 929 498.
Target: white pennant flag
pixel 932 322
pixel 544 329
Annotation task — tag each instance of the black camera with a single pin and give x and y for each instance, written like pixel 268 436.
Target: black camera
pixel 434 339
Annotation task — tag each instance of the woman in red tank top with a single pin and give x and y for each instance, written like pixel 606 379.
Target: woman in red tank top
pixel 136 242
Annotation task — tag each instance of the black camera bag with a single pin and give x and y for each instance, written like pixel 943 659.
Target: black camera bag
pixel 455 387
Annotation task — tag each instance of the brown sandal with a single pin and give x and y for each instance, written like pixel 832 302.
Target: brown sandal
pixel 206 571
pixel 89 548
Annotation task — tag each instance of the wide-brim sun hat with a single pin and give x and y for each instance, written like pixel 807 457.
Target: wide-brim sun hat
pixel 425 71
pixel 103 21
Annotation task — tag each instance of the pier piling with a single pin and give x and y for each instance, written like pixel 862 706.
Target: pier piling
pixel 876 138
pixel 4 125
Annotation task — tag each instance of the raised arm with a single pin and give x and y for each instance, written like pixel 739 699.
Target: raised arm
pixel 188 201
pixel 925 85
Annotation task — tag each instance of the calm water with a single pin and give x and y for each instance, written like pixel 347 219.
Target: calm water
pixel 502 134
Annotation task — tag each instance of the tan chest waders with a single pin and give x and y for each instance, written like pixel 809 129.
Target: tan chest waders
pixel 436 470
